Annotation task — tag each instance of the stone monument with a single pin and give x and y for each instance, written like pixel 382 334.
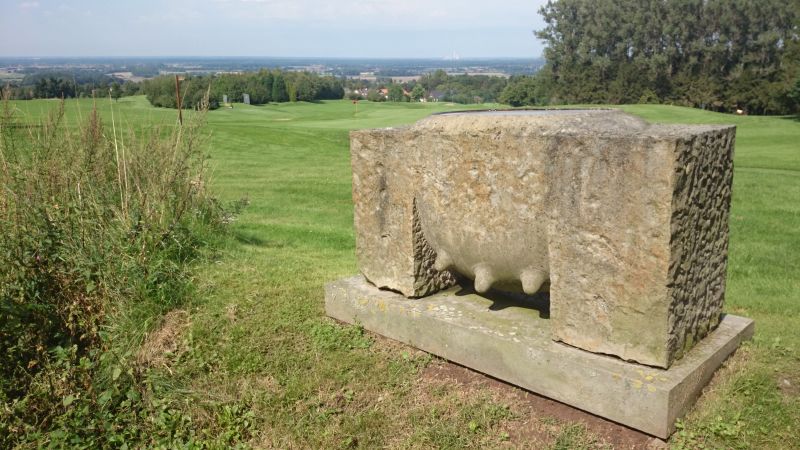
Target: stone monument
pixel 614 230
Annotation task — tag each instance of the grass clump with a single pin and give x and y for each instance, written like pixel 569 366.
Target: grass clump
pixel 99 230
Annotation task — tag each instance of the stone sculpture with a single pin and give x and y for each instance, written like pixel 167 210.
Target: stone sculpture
pixel 624 222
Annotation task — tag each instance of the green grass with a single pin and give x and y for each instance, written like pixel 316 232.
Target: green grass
pixel 259 341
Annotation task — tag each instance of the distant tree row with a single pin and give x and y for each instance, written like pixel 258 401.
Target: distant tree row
pixel 69 85
pixel 78 76
pixel 263 87
pixel 713 54
pixel 437 85
pixel 464 88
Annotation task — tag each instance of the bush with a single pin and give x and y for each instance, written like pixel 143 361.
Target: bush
pixel 195 92
pixel 524 90
pixel 90 227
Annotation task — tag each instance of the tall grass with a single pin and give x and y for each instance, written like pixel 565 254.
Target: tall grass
pixel 94 221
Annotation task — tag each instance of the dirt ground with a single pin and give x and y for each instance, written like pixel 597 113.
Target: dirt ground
pixel 537 415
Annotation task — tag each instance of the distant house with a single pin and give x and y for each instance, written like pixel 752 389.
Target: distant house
pixel 435 96
pixel 384 92
pixel 361 92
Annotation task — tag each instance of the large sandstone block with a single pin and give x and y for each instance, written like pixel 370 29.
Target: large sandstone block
pixel 625 223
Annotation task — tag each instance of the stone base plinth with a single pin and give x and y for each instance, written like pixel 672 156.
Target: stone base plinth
pixel 510 339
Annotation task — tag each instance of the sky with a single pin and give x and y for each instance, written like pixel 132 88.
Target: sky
pixel 310 28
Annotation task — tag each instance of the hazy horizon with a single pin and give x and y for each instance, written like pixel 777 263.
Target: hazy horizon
pixel 423 29
pixel 259 57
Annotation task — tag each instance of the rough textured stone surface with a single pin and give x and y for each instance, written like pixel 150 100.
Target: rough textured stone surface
pixel 699 237
pixel 624 222
pixel 508 338
pixel 427 280
pixel 391 251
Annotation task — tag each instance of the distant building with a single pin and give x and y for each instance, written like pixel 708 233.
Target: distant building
pixel 407 79
pixel 435 96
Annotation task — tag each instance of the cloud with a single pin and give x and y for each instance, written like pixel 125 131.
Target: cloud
pixel 28 5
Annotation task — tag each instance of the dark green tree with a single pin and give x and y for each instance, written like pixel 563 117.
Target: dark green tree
pixel 130 88
pixel 715 54
pixel 396 93
pixel 116 91
pixel 520 91
pixel 279 92
pixel 417 92
pixel 266 79
pixel 307 87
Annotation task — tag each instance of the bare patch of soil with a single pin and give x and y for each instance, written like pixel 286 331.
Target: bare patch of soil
pixel 789 385
pixel 538 418
pixel 161 346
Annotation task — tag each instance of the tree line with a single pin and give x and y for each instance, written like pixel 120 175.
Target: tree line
pixel 720 55
pixel 437 85
pixel 263 87
pixel 69 84
pixel 464 88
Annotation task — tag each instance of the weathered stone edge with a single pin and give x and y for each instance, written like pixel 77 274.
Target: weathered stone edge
pixel 705 358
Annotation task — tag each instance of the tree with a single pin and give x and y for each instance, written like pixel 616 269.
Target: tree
pixel 794 96
pixel 130 88
pixel 307 87
pixel 520 91
pixel 716 54
pixel 396 93
pixel 267 80
pixel 160 91
pixel 432 80
pixel 116 91
pixel 259 86
pixel 330 89
pixel 417 92
pixel 279 93
pixel 374 95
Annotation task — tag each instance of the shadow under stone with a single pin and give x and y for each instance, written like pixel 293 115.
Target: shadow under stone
pixel 502 299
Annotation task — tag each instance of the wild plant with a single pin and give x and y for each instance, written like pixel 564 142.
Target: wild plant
pixel 94 220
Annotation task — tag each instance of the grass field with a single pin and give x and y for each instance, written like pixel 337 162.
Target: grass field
pixel 257 346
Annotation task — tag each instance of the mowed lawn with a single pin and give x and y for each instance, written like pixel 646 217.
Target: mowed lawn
pixel 259 345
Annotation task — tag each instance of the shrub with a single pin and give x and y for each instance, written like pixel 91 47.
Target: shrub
pixel 92 222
